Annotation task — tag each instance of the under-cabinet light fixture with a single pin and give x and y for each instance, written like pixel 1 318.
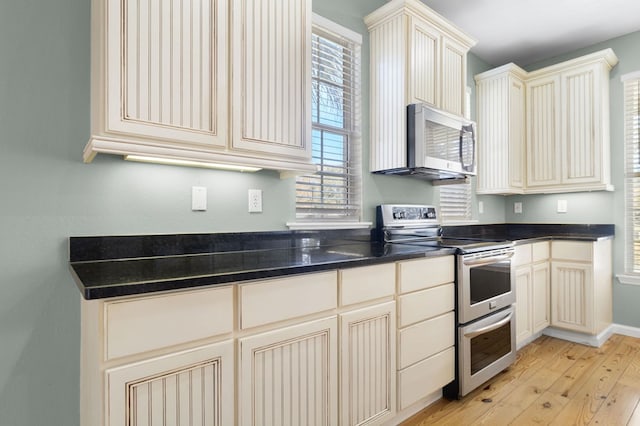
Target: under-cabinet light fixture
pixel 190 163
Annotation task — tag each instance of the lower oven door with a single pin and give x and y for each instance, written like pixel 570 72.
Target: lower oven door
pixel 486 347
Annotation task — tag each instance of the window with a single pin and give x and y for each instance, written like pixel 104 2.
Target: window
pixel 333 193
pixel 632 169
pixel 455 202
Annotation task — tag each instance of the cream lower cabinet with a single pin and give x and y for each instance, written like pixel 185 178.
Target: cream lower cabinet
pixel 532 290
pixel 581 286
pixel 426 328
pixel 193 387
pixel 368 364
pixel 289 376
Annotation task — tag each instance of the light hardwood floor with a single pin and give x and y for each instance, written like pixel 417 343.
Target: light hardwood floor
pixel 553 382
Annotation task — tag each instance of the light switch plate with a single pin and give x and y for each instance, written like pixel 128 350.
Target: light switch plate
pixel 517 207
pixel 198 198
pixel 562 206
pixel 480 207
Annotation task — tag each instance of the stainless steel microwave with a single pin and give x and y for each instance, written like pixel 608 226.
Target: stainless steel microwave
pixel 439 144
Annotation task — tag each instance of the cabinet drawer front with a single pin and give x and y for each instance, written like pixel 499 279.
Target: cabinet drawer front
pixel 275 300
pixel 424 273
pixel 425 304
pixel 572 250
pixel 367 283
pixel 540 251
pixel 425 377
pixel 522 255
pixel 424 339
pixel 140 325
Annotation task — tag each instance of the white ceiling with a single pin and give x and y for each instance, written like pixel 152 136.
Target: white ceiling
pixel 526 31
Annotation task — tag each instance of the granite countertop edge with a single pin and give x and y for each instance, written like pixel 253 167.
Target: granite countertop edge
pixel 114 277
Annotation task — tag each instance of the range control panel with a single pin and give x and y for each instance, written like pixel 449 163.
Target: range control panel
pixel 395 214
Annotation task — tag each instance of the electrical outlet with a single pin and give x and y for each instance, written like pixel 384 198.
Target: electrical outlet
pixel 480 207
pixel 517 207
pixel 198 198
pixel 255 201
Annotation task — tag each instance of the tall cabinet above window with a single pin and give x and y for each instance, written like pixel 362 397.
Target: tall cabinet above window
pixel 561 143
pixel 416 57
pixel 212 81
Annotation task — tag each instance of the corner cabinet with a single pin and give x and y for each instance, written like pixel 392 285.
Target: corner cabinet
pixel 416 56
pixel 501 133
pixel 566 132
pixel 581 286
pixel 212 81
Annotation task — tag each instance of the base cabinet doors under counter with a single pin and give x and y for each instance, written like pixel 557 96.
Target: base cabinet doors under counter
pixel 194 387
pixel 581 285
pixel 532 290
pixel 289 376
pixel 367 365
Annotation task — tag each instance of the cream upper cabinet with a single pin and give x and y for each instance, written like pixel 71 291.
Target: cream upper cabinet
pixel 567 128
pixel 271 77
pixel 544 152
pixel 501 121
pixel 416 56
pixel 198 81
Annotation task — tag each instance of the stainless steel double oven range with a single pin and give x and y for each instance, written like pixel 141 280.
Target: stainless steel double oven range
pixel 485 292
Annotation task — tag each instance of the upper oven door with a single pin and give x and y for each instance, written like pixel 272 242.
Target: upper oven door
pixel 486 283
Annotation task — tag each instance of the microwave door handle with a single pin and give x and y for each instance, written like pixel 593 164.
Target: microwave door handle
pixel 487 260
pixel 489 328
pixel 467 129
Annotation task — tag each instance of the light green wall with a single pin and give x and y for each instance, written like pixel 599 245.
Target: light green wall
pixel 47 194
pixel 597 207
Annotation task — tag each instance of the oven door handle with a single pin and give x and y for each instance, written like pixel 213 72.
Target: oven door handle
pixel 487 260
pixel 489 328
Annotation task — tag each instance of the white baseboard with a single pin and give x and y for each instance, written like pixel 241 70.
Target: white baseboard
pixel 590 340
pixel 584 339
pixel 626 330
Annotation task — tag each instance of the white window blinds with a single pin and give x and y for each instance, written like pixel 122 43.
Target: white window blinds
pixel 334 192
pixel 455 202
pixel 632 169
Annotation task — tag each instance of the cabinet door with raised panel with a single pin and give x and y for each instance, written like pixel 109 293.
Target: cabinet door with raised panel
pixel 540 295
pixel 368 364
pixel 582 135
pixel 289 376
pixel 194 387
pixel 271 76
pixel 165 69
pixel 544 154
pixel 572 296
pixel 524 328
pixel 424 53
pixel 454 77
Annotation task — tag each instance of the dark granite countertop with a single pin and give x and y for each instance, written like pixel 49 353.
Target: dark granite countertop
pixel 522 233
pixel 157 263
pixel 114 266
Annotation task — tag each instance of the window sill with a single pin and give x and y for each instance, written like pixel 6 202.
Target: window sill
pixel 629 279
pixel 327 225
